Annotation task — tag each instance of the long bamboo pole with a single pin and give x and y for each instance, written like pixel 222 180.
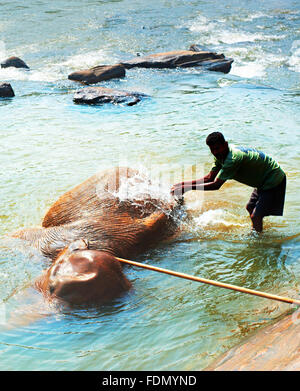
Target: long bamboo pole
pixel 211 282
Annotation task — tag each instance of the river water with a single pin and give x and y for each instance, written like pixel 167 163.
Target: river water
pixel 49 144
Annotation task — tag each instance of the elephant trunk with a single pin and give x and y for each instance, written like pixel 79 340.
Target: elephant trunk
pixel 49 241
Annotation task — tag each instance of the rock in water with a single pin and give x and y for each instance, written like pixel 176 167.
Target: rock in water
pixel 15 62
pixel 99 73
pixel 100 95
pixel 6 90
pixel 271 348
pixel 182 58
pixel 217 66
pixel 198 48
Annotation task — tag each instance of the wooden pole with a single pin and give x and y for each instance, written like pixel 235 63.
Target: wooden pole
pixel 211 282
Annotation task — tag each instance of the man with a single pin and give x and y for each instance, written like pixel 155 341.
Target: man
pixel 248 166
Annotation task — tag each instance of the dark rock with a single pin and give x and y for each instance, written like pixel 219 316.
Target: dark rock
pixel 100 95
pixel 271 348
pixel 218 65
pixel 182 58
pixel 15 62
pixel 197 48
pixel 6 90
pixel 99 73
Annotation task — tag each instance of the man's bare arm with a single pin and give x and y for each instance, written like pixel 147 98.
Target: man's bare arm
pixel 208 182
pixel 214 185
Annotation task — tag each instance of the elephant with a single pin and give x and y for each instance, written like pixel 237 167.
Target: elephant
pixel 96 213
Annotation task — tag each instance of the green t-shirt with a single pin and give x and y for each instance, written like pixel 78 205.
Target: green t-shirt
pixel 249 166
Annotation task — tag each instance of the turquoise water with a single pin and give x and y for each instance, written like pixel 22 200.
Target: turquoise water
pixel 48 145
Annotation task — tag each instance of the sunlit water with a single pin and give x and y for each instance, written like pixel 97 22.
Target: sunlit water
pixel 48 145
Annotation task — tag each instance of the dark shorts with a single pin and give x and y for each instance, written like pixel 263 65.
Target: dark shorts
pixel 268 202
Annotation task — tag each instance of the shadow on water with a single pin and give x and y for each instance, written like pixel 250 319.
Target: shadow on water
pixel 6 101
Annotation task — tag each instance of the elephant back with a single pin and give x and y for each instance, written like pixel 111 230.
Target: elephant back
pixel 98 198
pixel 87 198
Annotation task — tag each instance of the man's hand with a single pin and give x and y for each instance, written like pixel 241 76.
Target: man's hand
pixel 177 190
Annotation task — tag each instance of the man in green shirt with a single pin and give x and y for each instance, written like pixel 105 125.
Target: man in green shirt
pixel 248 166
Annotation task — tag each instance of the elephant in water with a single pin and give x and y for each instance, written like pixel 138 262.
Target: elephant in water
pixel 91 224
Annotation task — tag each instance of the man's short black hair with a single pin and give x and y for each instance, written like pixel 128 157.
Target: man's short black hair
pixel 215 138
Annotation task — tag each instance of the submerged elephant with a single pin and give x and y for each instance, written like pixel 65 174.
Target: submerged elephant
pixel 112 225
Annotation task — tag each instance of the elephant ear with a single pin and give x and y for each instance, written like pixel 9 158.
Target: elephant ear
pixel 158 226
pixel 96 194
pixel 154 220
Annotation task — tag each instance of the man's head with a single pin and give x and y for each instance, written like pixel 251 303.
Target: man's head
pixel 218 145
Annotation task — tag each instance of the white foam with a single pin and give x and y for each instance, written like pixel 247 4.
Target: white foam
pixel 46 74
pixel 55 71
pixel 256 15
pixel 244 18
pixel 294 60
pixel 217 217
pixel 248 71
pixel 139 188
pixel 253 62
pixel 89 59
pixel 2 51
pixel 215 33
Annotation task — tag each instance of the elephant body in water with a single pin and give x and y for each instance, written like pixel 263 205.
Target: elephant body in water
pixel 111 224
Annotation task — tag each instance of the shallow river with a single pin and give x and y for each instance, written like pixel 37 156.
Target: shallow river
pixel 48 145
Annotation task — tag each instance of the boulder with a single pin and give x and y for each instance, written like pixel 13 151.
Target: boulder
pixel 100 95
pixel 198 48
pixel 99 73
pixel 6 90
pixel 221 65
pixel 272 348
pixel 182 58
pixel 15 62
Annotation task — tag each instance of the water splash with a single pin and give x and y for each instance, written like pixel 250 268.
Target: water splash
pixel 2 51
pixel 294 60
pixel 139 188
pixel 219 218
pixel 249 71
pixel 89 59
pixel 48 73
pixel 215 33
pixel 57 69
pixel 215 224
pixel 143 186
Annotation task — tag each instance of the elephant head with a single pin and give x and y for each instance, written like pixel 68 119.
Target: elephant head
pixel 80 276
